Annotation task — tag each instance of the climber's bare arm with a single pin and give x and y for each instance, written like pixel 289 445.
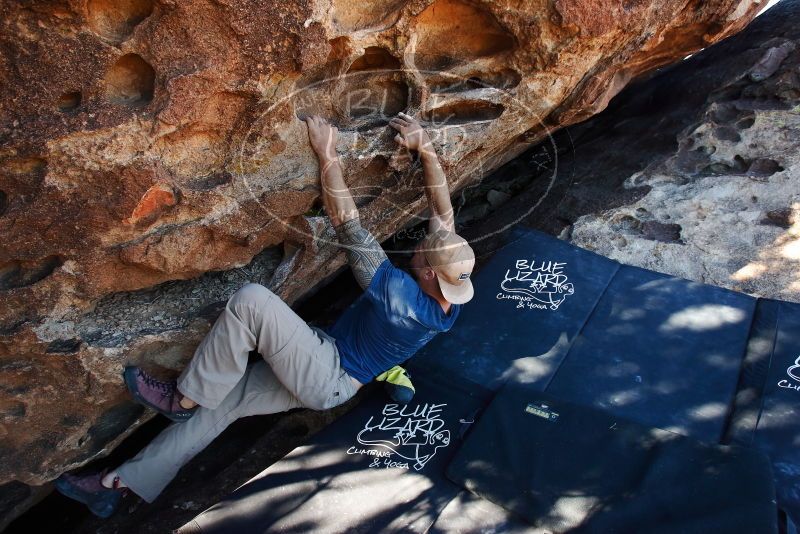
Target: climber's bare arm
pixel 412 136
pixel 364 253
pixel 336 195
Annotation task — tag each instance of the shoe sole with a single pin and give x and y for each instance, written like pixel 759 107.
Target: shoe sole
pixel 129 374
pixel 66 489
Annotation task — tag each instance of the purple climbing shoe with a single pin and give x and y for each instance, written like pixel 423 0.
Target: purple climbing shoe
pixel 162 397
pixel 89 490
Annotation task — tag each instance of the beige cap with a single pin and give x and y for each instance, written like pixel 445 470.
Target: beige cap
pixel 452 259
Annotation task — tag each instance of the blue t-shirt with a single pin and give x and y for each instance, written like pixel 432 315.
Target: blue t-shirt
pixel 388 323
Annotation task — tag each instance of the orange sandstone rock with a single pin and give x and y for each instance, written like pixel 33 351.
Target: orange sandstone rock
pixel 153 159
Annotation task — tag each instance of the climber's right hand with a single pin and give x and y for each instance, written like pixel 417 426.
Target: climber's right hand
pixel 323 137
pixel 411 134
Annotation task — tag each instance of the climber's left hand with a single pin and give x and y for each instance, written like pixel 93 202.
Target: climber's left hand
pixel 323 137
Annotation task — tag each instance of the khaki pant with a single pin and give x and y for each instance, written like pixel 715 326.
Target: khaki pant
pixel 300 369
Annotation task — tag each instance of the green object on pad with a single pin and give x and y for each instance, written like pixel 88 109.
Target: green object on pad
pixel 397 384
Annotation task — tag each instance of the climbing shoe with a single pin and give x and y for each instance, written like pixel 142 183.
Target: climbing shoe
pixel 397 383
pixel 89 490
pixel 162 397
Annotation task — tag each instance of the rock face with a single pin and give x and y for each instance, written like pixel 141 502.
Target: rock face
pixel 153 160
pixel 696 171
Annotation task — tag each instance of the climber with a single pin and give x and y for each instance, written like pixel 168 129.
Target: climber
pixel 302 366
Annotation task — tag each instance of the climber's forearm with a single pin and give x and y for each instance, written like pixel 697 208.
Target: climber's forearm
pixel 336 195
pixel 437 190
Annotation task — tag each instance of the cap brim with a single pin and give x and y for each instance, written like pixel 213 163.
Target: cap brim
pixel 456 294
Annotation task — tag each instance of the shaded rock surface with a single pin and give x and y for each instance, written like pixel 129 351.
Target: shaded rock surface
pixel 153 160
pixel 722 201
pixel 692 170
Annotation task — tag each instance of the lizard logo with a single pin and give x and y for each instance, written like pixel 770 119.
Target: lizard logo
pixel 410 434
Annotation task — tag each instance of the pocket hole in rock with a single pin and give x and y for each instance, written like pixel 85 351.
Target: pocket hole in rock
pixel 130 81
pixel 740 164
pixel 726 133
pixel 663 232
pixel 209 182
pixel 16 274
pixel 763 167
pixel 745 123
pixel 717 168
pixel 114 20
pixel 451 31
pixel 25 166
pixel 505 79
pixel 782 218
pixel 69 101
pixel 3 202
pixel 463 112
pixel 63 346
pixel 374 98
pixel 375 58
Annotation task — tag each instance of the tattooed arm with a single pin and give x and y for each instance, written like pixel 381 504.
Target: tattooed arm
pixel 364 253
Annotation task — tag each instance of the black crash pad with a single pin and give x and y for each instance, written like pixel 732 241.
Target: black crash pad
pixel 753 374
pixel 380 467
pixel 565 467
pixel 777 428
pixel 643 346
pixel 662 351
pixel 531 300
pixel 468 513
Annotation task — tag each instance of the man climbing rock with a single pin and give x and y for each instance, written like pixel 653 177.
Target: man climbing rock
pixel 302 366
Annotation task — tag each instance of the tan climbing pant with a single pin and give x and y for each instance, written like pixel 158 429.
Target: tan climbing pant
pixel 300 369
